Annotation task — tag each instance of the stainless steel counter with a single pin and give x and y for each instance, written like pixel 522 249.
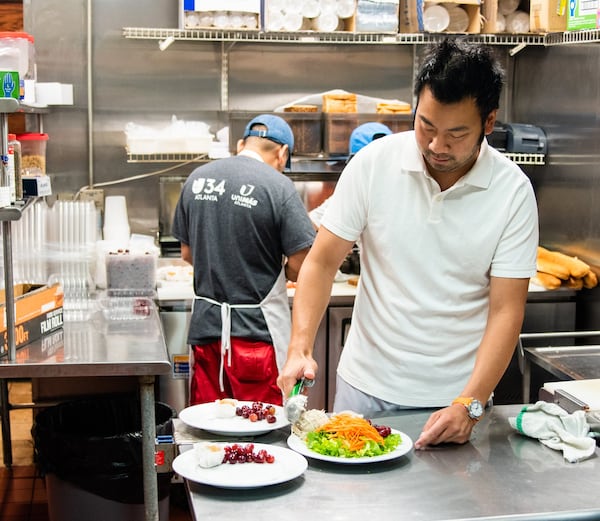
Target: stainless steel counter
pixel 98 348
pixel 500 474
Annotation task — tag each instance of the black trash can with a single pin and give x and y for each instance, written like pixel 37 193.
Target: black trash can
pixel 90 451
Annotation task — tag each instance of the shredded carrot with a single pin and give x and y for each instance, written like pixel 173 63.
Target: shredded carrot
pixel 353 430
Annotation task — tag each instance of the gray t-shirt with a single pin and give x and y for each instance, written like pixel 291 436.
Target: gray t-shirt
pixel 240 217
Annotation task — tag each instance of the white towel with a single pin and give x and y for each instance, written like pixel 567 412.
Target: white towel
pixel 557 429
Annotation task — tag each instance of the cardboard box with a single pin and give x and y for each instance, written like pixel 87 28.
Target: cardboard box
pixel 582 14
pixel 489 12
pixel 53 93
pixel 219 14
pixel 38 311
pixel 10 83
pixel 275 21
pixel 50 344
pixel 36 186
pixel 411 15
pixel 547 16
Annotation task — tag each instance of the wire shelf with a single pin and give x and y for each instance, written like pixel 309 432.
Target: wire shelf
pixel 312 37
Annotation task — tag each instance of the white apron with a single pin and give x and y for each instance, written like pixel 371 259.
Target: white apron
pixel 276 310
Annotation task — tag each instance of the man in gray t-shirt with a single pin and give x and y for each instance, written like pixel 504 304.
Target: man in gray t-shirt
pixel 245 230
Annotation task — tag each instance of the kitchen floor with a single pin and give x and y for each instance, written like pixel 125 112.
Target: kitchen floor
pixel 22 489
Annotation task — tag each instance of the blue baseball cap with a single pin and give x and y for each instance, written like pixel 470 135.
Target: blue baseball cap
pixel 365 133
pixel 277 130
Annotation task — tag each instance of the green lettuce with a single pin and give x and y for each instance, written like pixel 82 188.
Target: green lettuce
pixel 322 443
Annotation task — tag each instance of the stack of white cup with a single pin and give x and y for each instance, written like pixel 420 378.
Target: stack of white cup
pixel 295 15
pixel 116 229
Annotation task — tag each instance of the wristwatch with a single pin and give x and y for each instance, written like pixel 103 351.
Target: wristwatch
pixel 474 407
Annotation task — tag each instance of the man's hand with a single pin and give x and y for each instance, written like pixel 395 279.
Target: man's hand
pixel 294 369
pixel 449 425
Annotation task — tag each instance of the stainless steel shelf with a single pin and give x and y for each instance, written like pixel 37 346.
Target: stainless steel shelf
pixel 312 37
pixel 167 158
pixel 322 169
pixel 573 37
pixel 308 37
pixel 14 212
pixel 526 159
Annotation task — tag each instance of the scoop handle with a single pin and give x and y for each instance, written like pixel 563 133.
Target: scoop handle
pixel 300 385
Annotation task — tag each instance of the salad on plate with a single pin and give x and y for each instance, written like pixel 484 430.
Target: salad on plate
pixel 345 435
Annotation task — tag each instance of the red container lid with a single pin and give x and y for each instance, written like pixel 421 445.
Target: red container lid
pixel 12 137
pixel 32 136
pixel 14 34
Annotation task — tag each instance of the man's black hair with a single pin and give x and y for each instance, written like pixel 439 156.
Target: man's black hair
pixel 455 70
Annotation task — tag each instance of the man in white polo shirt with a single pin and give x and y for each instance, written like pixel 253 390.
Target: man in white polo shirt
pixel 448 230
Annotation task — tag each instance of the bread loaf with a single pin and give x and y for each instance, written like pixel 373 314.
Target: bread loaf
pixel 546 280
pixel 576 267
pixel 590 280
pixel 553 268
pixel 393 108
pixel 301 108
pixel 353 281
pixel 574 283
pixel 556 269
pixel 340 103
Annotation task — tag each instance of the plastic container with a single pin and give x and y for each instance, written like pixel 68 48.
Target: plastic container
pixel 33 149
pixel 131 274
pixel 306 127
pixel 338 127
pixel 118 307
pixel 17 49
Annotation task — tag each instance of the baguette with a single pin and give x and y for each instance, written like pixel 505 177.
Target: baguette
pixel 553 268
pixel 546 280
pixel 590 280
pixel 574 283
pixel 577 268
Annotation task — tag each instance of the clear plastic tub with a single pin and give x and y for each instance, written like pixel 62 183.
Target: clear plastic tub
pixel 126 307
pixel 17 53
pixel 131 274
pixel 33 153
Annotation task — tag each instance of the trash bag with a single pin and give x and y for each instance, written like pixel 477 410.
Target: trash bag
pixel 96 445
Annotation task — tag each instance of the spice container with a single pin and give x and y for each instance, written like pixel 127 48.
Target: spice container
pixel 33 153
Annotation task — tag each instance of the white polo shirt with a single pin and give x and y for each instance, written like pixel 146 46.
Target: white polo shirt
pixel 426 261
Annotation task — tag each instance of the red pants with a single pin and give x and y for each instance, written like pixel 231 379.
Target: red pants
pixel 252 375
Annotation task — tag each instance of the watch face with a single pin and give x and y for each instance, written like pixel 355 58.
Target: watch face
pixel 475 409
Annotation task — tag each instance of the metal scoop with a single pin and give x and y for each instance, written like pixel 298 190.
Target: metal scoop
pixel 296 402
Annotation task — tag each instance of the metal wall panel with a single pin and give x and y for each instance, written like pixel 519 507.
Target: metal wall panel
pixel 556 88
pixel 132 80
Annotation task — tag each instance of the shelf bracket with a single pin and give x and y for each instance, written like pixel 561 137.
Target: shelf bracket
pixel 163 45
pixel 517 48
pixel 224 77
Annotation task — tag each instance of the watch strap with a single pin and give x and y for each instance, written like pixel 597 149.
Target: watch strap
pixel 466 401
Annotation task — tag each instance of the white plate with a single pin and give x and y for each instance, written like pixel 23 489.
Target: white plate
pixel 295 443
pixel 203 417
pixel 287 466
